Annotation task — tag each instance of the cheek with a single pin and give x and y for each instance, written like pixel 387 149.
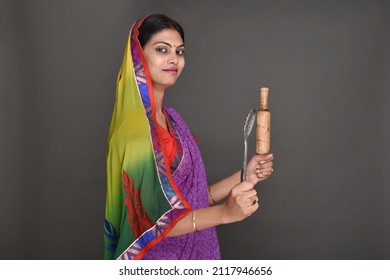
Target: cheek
pixel 150 61
pixel 152 67
pixel 182 64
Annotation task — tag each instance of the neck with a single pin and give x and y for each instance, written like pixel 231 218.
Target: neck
pixel 158 98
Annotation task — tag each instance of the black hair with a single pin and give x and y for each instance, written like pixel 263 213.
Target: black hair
pixel 154 24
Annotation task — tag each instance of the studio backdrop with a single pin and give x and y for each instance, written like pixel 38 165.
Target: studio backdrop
pixel 326 64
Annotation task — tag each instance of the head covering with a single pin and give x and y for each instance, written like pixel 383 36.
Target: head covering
pixel 146 195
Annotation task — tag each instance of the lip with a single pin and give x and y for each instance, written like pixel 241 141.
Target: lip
pixel 171 70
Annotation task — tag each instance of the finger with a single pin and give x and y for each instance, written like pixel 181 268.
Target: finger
pixel 249 203
pixel 249 194
pixel 266 165
pixel 243 186
pixel 262 170
pixel 245 198
pixel 259 158
pixel 252 209
pixel 262 162
pixel 264 175
pixel 265 170
pixel 266 157
pixel 253 200
pixel 255 207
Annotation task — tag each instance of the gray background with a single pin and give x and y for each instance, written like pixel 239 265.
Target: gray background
pixel 326 64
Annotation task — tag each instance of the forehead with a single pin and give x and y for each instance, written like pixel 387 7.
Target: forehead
pixel 167 35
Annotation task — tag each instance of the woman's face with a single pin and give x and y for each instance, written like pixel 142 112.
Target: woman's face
pixel 164 53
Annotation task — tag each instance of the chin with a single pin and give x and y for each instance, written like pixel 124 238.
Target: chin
pixel 165 84
pixel 169 84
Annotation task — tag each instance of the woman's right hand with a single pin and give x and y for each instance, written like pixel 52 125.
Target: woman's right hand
pixel 241 202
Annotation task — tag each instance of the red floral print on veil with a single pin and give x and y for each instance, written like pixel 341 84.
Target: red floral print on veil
pixel 139 220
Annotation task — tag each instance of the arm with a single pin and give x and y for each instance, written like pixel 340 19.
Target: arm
pixel 259 168
pixel 240 204
pixel 221 189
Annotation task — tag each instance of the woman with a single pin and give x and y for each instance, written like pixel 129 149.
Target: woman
pixel 158 203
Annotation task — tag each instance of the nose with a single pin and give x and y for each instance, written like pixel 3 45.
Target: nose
pixel 173 59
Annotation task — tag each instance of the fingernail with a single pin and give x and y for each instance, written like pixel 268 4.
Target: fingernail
pixel 270 155
pixel 263 161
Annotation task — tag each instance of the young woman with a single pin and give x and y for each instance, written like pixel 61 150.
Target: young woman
pixel 158 203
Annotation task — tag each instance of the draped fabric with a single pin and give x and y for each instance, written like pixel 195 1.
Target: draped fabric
pixel 168 140
pixel 147 193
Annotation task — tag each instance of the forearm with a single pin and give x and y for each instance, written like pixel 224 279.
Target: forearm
pixel 221 189
pixel 204 218
pixel 240 204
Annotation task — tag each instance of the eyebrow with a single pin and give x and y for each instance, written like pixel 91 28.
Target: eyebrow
pixel 165 43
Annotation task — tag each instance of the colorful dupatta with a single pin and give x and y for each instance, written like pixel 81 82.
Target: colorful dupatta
pixel 146 195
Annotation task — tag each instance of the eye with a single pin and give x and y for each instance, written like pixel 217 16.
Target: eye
pixel 180 52
pixel 162 50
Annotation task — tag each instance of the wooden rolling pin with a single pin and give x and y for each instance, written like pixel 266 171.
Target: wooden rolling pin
pixel 263 129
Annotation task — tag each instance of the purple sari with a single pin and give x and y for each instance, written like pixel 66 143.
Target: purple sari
pixel 190 177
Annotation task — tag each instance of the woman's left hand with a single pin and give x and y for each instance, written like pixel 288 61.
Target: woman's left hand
pixel 259 168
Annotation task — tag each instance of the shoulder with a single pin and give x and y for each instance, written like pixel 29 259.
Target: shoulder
pixel 179 122
pixel 173 114
pixel 170 111
pixel 176 118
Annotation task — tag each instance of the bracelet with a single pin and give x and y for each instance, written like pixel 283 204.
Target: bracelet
pixel 193 222
pixel 211 197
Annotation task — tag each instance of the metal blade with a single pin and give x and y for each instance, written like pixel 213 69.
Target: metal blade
pixel 248 125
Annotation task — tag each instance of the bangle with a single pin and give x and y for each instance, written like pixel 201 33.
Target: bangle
pixel 193 222
pixel 211 197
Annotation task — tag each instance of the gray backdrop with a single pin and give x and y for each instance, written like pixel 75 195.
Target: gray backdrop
pixel 326 64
